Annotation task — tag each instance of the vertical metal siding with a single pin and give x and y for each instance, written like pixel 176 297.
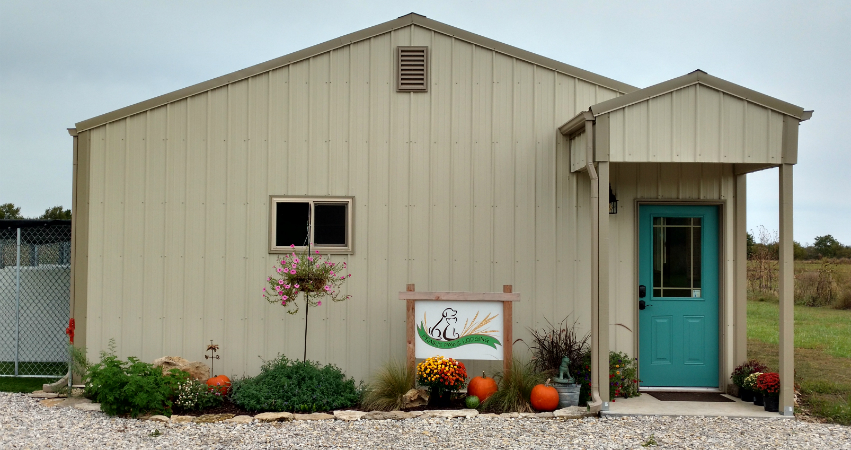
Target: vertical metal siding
pixel 655 181
pixel 465 187
pixel 695 124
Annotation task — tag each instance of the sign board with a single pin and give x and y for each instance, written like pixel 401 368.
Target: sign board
pixel 460 325
pixel 460 330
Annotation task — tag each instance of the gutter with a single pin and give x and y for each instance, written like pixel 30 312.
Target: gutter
pixel 596 403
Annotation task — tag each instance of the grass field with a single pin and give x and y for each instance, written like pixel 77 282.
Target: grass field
pixel 19 384
pixel 822 355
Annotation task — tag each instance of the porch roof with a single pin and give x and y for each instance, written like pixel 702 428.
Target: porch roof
pixel 693 118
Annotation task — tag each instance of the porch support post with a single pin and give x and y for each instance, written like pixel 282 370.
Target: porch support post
pixel 603 280
pixel 740 303
pixel 786 293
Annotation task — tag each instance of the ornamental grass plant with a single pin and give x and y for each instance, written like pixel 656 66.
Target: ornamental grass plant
pixel 554 342
pixel 387 388
pixel 515 388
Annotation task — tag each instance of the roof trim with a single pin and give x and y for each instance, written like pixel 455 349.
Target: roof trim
pixel 699 77
pixel 366 33
pixel 576 125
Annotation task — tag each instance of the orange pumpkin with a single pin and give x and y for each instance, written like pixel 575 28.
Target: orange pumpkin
pixel 482 387
pixel 544 397
pixel 219 383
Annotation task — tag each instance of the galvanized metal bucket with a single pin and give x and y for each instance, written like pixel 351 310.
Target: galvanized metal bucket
pixel 568 394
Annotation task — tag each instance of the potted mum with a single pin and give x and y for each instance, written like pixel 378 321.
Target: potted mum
pixel 443 376
pixel 743 371
pixel 312 275
pixel 768 385
pixel 750 384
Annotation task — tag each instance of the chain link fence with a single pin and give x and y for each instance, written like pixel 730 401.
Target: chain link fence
pixel 35 289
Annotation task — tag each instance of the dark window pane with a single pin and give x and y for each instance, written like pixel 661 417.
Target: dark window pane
pixel 331 221
pixel 696 258
pixel 677 221
pixel 677 267
pixel 291 219
pixel 677 293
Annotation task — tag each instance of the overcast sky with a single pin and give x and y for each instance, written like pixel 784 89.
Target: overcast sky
pixel 62 62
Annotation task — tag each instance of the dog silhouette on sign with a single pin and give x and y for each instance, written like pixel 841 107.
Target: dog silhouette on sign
pixel 447 321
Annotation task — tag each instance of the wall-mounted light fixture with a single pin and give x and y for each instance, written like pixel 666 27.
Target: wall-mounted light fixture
pixel 613 202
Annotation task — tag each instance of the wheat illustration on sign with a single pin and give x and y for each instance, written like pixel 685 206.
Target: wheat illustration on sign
pixel 444 334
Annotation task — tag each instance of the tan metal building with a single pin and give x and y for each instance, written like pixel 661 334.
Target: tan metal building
pixel 460 164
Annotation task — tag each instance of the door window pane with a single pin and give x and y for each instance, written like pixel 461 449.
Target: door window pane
pixel 676 256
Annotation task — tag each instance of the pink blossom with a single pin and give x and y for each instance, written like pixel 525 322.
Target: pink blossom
pixel 286 286
pixel 317 252
pixel 294 265
pixel 310 258
pixel 319 303
pixel 279 270
pixel 327 288
pixel 264 289
pixel 295 260
pixel 285 297
pixel 297 286
pixel 332 273
pixel 292 245
pixel 292 272
pixel 350 275
pixel 280 281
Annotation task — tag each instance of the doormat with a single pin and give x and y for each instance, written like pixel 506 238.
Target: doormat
pixel 689 397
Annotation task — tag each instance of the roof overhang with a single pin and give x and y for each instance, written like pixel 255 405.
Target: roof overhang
pixel 701 77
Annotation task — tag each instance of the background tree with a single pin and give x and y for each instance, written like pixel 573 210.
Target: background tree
pixel 751 244
pixel 9 211
pixel 56 213
pixel 827 246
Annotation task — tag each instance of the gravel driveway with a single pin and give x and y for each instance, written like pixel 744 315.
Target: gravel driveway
pixel 25 424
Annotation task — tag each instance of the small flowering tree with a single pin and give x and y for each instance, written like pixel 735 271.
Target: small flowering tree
pixel 313 275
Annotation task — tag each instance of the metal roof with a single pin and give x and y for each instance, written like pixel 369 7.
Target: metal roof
pixel 401 22
pixel 703 78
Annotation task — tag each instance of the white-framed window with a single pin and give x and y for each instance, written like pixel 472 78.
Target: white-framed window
pixel 324 222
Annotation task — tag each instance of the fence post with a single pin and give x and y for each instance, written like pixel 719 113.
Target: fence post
pixel 18 301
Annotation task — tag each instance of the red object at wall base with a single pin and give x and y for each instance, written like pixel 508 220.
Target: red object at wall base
pixel 219 383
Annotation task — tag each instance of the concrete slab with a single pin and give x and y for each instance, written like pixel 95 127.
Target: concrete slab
pixel 646 405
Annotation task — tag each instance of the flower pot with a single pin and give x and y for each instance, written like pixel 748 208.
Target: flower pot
pixel 747 395
pixel 439 398
pixel 772 403
pixel 758 399
pixel 568 394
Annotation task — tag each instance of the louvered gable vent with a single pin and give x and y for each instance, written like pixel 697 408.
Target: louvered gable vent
pixel 413 69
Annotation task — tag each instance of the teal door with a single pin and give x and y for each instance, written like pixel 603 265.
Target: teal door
pixel 678 296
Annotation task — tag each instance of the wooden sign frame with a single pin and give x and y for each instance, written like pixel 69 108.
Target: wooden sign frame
pixel 507 297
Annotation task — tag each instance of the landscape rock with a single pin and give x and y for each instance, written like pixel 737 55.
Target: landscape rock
pixel 572 412
pixel 159 418
pixel 87 406
pixel 388 415
pixel 42 394
pixel 274 417
pixel 56 385
pixel 182 419
pixel 212 418
pixel 196 370
pixel 415 398
pixel 314 416
pixel 349 416
pixel 240 419
pixel 511 415
pixel 544 415
pixel 449 413
pixel 50 402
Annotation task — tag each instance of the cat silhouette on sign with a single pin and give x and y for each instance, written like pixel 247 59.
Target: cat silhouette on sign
pixel 447 322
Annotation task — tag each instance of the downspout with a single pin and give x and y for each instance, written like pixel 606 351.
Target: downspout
pixel 596 401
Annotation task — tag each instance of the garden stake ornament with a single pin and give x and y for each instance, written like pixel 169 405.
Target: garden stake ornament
pixel 212 348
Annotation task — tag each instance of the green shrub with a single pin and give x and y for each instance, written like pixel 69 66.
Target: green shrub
pixel 295 386
pixel 193 395
pixel 131 387
pixel 387 388
pixel 515 389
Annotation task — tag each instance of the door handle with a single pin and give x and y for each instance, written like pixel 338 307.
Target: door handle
pixel 642 304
